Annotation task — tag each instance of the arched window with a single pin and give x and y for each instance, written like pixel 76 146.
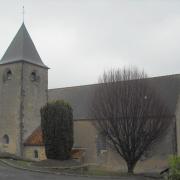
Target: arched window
pixel 5 139
pixel 33 76
pixel 36 154
pixel 9 75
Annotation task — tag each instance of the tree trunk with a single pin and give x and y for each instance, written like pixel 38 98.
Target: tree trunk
pixel 131 166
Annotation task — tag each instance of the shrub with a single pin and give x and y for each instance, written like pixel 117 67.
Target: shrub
pixel 57 129
pixel 174 173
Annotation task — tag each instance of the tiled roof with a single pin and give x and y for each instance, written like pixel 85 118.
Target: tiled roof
pixel 35 139
pixel 80 97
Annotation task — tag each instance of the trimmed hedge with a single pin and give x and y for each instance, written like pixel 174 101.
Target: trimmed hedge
pixel 57 129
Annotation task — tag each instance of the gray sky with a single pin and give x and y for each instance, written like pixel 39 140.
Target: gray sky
pixel 79 39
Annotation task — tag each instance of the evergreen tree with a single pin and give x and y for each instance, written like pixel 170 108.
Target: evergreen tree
pixel 57 129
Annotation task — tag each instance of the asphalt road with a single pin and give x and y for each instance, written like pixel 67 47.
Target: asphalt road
pixel 9 173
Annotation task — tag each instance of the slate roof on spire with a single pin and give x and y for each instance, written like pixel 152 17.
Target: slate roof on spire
pixel 22 48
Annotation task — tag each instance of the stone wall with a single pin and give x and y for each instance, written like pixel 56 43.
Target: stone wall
pixel 21 98
pixel 34 96
pixel 152 164
pixel 10 100
pixel 29 152
pixel 85 137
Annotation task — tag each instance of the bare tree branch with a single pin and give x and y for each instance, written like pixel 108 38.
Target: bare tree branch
pixel 129 113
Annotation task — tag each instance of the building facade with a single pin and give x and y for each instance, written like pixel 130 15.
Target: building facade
pixel 24 90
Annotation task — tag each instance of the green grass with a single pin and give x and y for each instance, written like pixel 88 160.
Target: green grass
pixel 19 163
pixel 96 171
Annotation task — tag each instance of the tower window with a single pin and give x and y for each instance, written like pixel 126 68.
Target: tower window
pixel 5 139
pixel 9 75
pixel 33 76
pixel 36 154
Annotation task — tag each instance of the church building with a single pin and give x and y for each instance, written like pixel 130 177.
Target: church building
pixel 24 90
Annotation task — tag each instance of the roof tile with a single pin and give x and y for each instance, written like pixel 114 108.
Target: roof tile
pixel 35 139
pixel 22 48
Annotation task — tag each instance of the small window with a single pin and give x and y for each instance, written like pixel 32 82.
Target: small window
pixel 36 154
pixel 5 139
pixel 101 143
pixel 9 75
pixel 33 76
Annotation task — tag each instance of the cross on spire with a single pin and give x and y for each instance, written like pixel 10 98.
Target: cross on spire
pixel 23 12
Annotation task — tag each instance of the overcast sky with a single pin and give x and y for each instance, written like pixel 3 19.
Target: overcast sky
pixel 79 39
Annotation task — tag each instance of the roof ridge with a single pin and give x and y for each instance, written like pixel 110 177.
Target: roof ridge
pixel 23 41
pixel 95 84
pixel 68 87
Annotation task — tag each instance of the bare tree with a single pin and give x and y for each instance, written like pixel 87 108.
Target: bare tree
pixel 129 113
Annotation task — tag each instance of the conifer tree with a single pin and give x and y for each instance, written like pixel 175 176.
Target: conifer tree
pixel 57 129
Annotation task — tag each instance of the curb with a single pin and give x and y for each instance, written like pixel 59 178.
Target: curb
pixel 69 174
pixel 57 173
pixel 66 167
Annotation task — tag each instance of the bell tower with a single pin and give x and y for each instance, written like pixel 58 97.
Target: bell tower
pixel 23 91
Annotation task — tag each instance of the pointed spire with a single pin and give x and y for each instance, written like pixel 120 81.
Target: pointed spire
pixel 22 48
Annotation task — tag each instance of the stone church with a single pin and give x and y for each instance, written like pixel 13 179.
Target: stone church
pixel 24 90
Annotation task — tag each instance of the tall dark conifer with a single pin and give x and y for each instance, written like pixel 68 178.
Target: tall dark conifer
pixel 57 129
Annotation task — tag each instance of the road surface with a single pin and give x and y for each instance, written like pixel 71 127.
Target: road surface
pixel 9 173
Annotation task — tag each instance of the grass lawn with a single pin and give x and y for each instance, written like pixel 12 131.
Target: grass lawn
pixel 19 163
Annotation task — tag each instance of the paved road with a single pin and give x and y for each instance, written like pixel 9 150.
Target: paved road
pixel 8 173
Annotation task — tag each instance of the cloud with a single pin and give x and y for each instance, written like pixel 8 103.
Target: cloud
pixel 79 39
